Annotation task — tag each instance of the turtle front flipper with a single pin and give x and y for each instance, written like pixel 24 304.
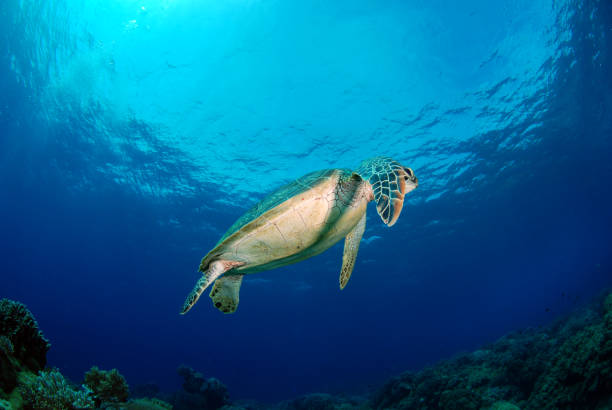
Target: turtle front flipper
pixel 351 247
pixel 390 182
pixel 215 269
pixel 225 293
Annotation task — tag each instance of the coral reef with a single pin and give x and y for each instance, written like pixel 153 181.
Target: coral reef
pixel 566 365
pixel 199 392
pixel 8 366
pixel 22 345
pixel 18 326
pixel 24 383
pixel 50 390
pixel 102 390
pixel 106 386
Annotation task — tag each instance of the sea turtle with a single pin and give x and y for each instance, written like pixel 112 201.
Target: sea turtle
pixel 300 220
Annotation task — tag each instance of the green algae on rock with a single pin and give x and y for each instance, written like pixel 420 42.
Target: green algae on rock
pixel 566 365
pixel 147 404
pixel 322 401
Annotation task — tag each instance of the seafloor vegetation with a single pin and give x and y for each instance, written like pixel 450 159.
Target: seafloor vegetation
pixel 566 365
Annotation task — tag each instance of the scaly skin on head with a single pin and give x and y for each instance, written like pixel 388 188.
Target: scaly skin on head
pixel 390 182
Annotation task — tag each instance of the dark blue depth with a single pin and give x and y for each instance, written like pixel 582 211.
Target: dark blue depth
pixel 104 264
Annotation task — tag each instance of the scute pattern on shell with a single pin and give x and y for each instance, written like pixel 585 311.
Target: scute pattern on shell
pixel 277 197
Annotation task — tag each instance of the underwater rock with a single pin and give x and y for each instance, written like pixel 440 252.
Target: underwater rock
pixel 244 404
pixel 239 407
pixel 199 392
pixel 192 380
pixel 580 373
pixel 565 365
pixel 504 405
pixel 106 386
pixel 146 404
pixel 321 401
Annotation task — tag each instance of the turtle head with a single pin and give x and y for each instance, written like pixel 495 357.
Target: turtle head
pixel 390 182
pixel 410 179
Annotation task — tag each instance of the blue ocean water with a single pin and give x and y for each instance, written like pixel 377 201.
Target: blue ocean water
pixel 134 133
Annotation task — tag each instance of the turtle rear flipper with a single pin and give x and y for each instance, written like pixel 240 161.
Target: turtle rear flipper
pixel 215 269
pixel 225 293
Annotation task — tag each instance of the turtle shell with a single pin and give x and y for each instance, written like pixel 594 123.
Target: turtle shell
pixel 278 197
pixel 300 247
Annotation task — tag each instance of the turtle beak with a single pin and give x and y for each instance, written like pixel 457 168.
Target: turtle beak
pixel 410 185
pixel 411 182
